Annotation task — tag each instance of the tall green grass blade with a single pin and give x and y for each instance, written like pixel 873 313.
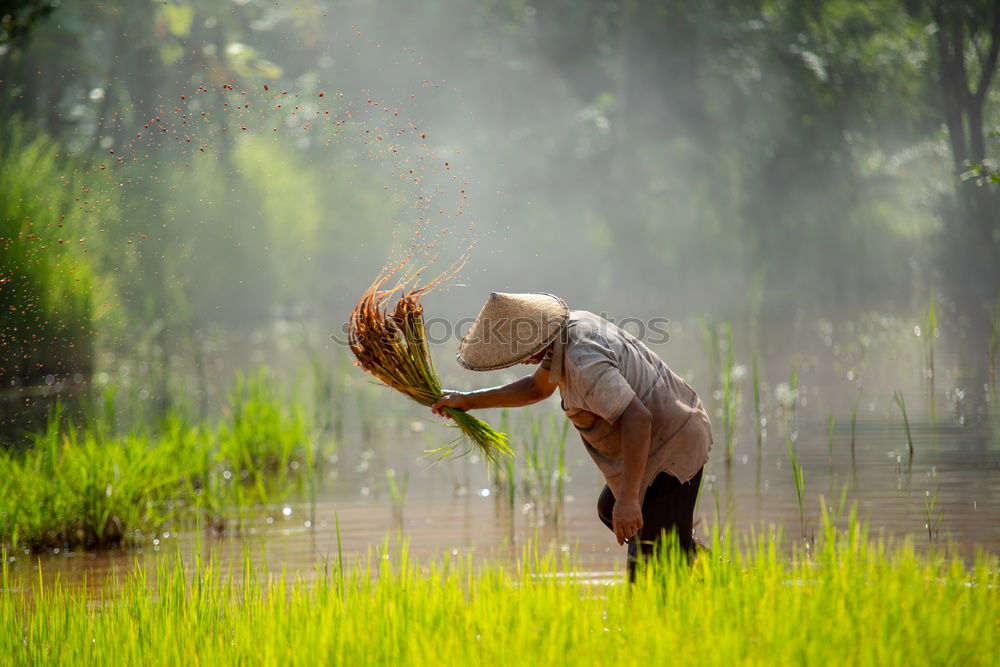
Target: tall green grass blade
pixel 897 396
pixel 730 394
pixel 932 521
pixel 800 485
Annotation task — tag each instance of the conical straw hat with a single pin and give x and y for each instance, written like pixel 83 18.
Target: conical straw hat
pixel 511 328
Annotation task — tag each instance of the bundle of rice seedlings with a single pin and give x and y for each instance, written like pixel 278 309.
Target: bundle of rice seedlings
pixel 392 346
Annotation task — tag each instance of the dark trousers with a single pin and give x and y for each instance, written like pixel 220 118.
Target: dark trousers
pixel 667 508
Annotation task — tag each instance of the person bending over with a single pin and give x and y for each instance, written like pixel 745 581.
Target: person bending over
pixel 643 425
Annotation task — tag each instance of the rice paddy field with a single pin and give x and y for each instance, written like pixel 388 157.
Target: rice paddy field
pixel 841 530
pixel 848 601
pixel 240 243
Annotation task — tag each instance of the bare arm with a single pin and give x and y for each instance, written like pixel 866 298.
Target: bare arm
pixel 525 391
pixel 636 425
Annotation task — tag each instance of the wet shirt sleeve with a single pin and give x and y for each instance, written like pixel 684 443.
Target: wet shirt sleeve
pixel 596 379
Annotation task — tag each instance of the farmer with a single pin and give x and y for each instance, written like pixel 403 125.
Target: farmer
pixel 644 427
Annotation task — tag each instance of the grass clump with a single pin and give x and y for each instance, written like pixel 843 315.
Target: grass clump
pixel 392 346
pixel 543 473
pixel 262 432
pixel 72 489
pixel 849 602
pixel 87 487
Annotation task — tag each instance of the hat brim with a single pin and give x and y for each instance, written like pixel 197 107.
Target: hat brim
pixel 476 355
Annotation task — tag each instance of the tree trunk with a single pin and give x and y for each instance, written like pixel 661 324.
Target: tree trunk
pixel 971 249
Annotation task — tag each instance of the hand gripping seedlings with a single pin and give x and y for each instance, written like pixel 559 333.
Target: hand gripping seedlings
pixel 392 346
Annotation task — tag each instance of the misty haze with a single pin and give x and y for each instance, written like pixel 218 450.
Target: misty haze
pixel 206 207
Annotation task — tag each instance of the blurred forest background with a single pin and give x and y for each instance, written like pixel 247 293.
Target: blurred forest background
pixel 178 178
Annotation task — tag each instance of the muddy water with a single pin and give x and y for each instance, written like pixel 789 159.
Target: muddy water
pixel 452 507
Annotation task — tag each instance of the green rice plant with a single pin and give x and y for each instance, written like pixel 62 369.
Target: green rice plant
pixel 724 373
pixel 89 486
pixel 340 548
pixel 543 479
pixel 397 494
pixel 710 338
pixel 393 347
pixel 262 432
pixel 854 424
pixel 931 521
pixel 506 474
pixel 72 489
pixel 897 396
pixel 730 395
pixel 854 601
pixel 100 414
pixel 800 483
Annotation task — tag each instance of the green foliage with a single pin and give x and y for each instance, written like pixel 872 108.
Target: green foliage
pixel 73 489
pixel 851 601
pixel 261 432
pixel 91 486
pixel 20 16
pixel 806 149
pixel 48 277
pixel 805 139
